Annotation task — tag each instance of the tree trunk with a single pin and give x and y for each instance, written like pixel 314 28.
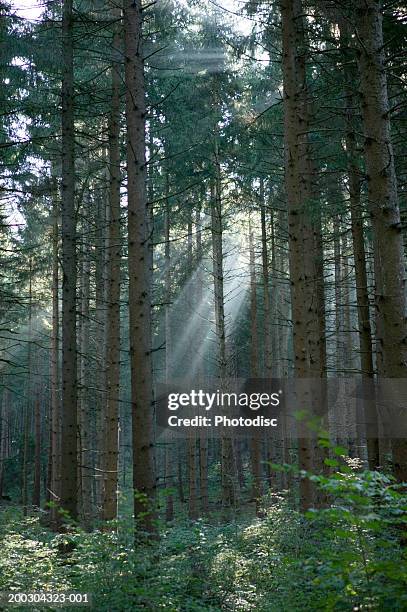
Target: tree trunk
pixel 382 194
pixel 192 454
pixel 85 473
pixel 55 425
pixel 268 357
pixel 301 238
pixel 140 273
pixel 170 443
pixel 283 300
pixel 228 470
pixel 358 242
pixel 217 255
pixel 203 434
pixel 3 437
pixel 37 457
pixel 180 476
pixel 192 473
pixel 346 296
pixel 69 483
pixel 98 413
pixel 390 296
pixel 338 291
pixel 302 234
pixel 358 238
pixel 203 471
pixel 274 323
pixel 112 359
pixel 255 440
pixel 27 404
pixel 320 291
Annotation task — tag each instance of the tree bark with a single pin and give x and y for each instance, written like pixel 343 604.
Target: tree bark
pixel 55 424
pixel 3 437
pixel 140 273
pixel 112 359
pixel 192 454
pixel 357 229
pixel 27 404
pixel 228 470
pixel 98 414
pixel 69 482
pixel 203 434
pixel 36 499
pixel 255 440
pixel 338 290
pixel 85 472
pixel 389 267
pixel 305 247
pixel 358 241
pixel 192 473
pixel 170 443
pixel 268 357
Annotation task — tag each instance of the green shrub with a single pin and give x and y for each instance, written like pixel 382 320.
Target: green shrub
pixel 347 556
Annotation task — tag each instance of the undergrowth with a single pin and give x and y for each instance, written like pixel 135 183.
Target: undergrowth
pixel 348 556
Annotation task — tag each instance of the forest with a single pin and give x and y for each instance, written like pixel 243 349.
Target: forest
pixel 194 195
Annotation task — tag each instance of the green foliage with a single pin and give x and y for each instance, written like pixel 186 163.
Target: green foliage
pixel 343 557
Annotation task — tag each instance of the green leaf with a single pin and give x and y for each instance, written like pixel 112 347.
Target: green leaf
pixel 331 462
pixel 340 450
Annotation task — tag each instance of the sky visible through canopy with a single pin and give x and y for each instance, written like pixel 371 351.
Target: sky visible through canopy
pixel 31 9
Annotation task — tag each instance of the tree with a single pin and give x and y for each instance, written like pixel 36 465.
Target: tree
pixel 301 237
pixel 139 244
pixel 69 485
pixel 390 296
pixel 113 294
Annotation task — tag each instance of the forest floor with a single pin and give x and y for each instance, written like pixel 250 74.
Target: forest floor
pixel 346 557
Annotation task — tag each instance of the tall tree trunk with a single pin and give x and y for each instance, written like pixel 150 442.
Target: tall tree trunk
pixel 180 475
pixel 55 424
pixel 302 242
pixel 69 483
pixel 354 178
pixel 382 194
pixel 283 298
pixel 338 291
pixel 37 456
pixel 320 291
pixel 274 328
pixel 111 437
pixel 227 455
pixel 268 357
pixel 203 434
pixel 347 319
pixel 218 279
pixel 358 238
pixel 98 415
pixel 170 443
pixel 192 454
pixel 85 472
pixel 255 440
pixel 140 272
pixel 192 473
pixel 390 296
pixel 299 194
pixel 359 257
pixel 27 404
pixel 3 437
pixel 203 471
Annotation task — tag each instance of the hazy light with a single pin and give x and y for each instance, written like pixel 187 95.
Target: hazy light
pixel 28 9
